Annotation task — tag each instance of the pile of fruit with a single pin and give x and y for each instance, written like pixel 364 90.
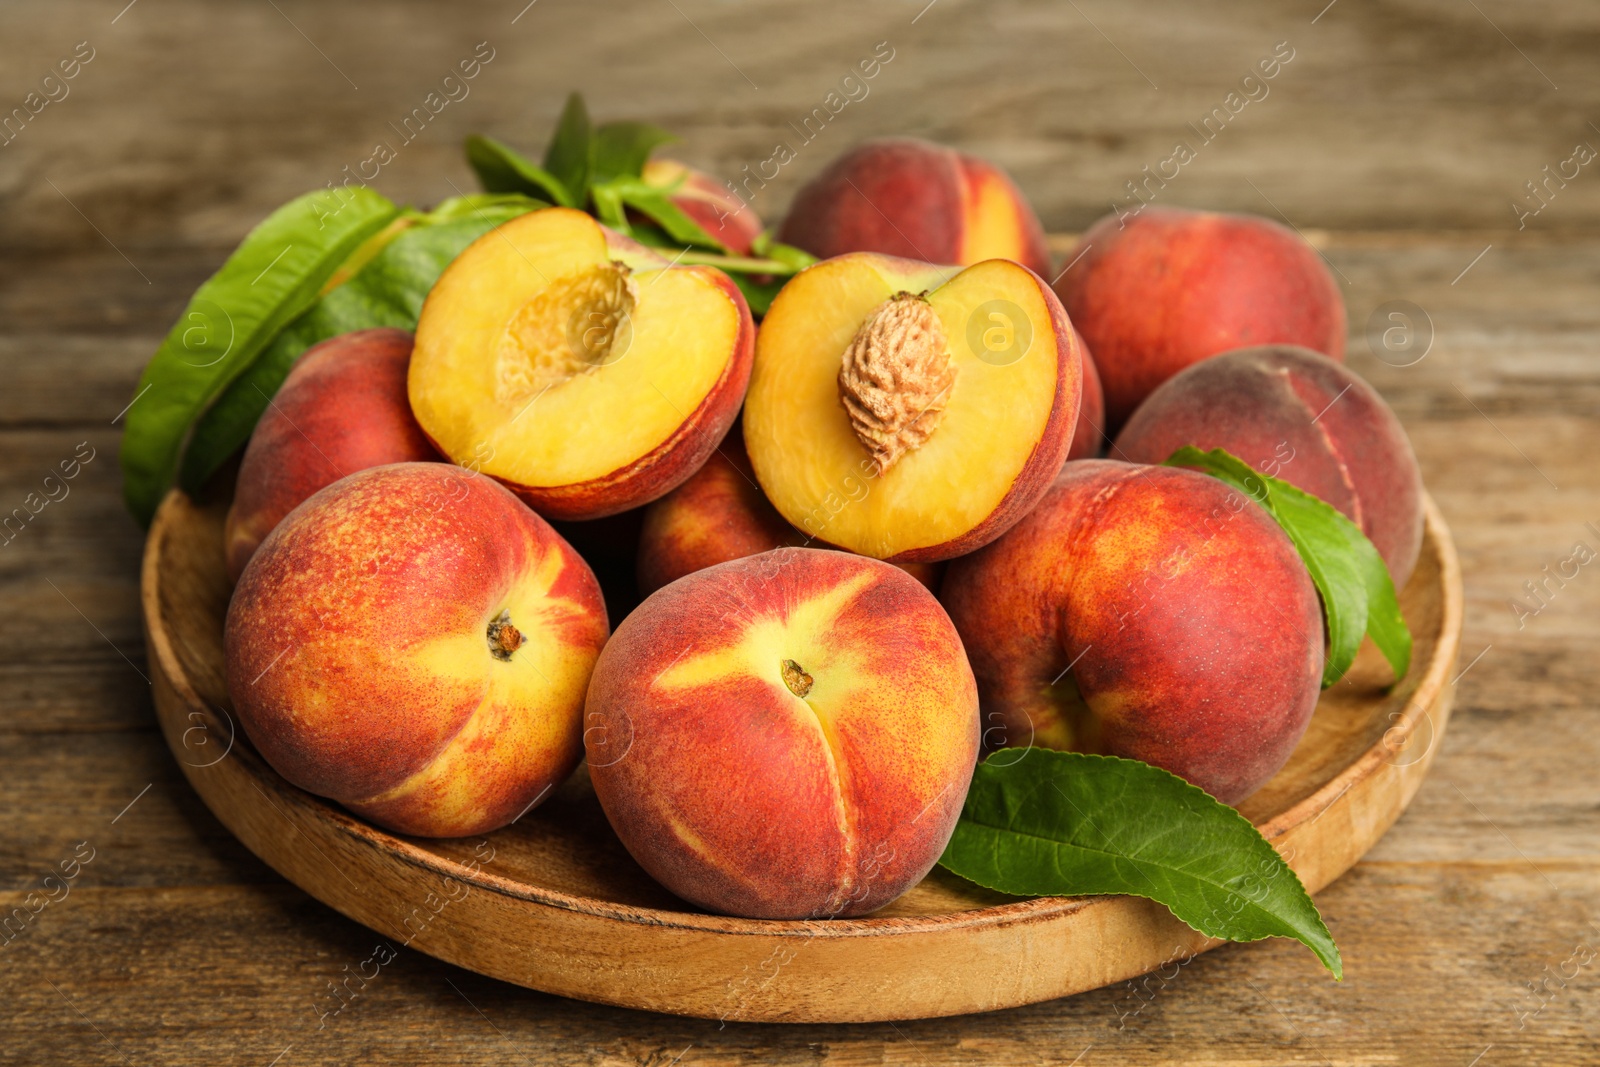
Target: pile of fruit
pixel 872 535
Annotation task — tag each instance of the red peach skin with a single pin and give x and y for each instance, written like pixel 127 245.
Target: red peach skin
pixel 1296 415
pixel 1169 287
pixel 717 516
pixel 1088 439
pixel 790 735
pixel 916 200
pixel 1145 612
pixel 720 515
pixel 342 409
pixel 368 659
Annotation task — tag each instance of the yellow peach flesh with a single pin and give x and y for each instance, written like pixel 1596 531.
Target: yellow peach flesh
pixel 934 493
pixel 669 352
pixel 994 228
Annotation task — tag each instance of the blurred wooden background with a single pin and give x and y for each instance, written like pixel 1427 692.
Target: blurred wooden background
pixel 1400 137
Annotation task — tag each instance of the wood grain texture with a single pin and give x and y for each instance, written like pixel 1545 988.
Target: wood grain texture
pixel 1415 123
pixel 1425 114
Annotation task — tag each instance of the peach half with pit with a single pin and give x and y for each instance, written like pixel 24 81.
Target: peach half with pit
pixel 415 644
pixel 907 411
pixel 787 736
pixel 582 370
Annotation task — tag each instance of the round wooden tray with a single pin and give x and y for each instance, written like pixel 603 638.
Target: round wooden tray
pixel 555 903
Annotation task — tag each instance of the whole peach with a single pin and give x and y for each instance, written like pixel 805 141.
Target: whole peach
pixel 917 200
pixel 342 409
pixel 1157 291
pixel 1145 612
pixel 720 515
pixel 1297 415
pixel 789 735
pixel 415 644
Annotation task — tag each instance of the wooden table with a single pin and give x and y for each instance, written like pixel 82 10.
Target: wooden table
pixel 1396 138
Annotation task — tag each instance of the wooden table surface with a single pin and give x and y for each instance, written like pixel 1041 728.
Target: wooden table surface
pixel 1398 137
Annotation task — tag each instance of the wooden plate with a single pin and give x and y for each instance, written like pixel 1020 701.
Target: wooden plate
pixel 555 903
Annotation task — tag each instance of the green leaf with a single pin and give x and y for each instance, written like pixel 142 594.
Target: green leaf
pixel 608 208
pixel 1385 624
pixel 567 157
pixel 601 170
pixel 621 149
pixel 655 204
pixel 388 291
pixel 271 278
pixel 768 247
pixel 503 170
pixel 1358 596
pixel 476 204
pixel 1051 823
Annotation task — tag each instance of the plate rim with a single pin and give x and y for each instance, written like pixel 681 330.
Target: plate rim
pixel 164 658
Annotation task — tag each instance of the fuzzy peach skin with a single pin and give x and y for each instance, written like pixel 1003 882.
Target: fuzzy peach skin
pixel 719 515
pixel 917 200
pixel 790 735
pixel 710 203
pixel 341 409
pixel 1004 431
pixel 1145 612
pixel 1089 438
pixel 369 659
pixel 1297 415
pixel 504 380
pixel 716 516
pixel 1168 287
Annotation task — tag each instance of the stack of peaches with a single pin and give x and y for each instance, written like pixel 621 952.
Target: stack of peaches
pixel 872 536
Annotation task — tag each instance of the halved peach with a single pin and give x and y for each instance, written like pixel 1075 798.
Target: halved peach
pixel 911 412
pixel 582 370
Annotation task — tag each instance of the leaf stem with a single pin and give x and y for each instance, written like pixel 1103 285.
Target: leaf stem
pixel 743 264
